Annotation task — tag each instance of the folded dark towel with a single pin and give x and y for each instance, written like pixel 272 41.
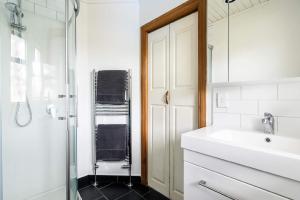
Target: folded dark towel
pixel 111 86
pixel 111 142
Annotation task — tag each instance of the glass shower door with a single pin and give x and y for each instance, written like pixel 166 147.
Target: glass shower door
pixel 72 90
pixel 36 115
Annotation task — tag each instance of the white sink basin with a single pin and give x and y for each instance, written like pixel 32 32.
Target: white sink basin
pixel 273 154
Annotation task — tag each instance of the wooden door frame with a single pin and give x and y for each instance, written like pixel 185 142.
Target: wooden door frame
pixel 177 13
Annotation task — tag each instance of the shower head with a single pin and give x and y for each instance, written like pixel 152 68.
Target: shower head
pixel 12 7
pixel 16 15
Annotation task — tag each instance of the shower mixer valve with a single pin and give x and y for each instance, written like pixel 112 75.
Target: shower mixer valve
pixel 51 110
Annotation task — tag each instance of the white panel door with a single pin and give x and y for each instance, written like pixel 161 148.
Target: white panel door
pixel 183 93
pixel 158 133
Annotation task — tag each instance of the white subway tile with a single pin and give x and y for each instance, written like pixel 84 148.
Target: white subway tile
pixel 243 107
pixel 263 92
pixel 289 127
pixel 39 10
pixel 280 108
pixel 58 5
pixel 12 1
pixel 60 16
pixel 225 120
pixel 289 91
pixel 28 6
pixel 252 122
pixel 231 93
pixel 41 2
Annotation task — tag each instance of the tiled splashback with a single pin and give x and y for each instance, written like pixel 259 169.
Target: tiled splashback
pixel 53 9
pixel 243 106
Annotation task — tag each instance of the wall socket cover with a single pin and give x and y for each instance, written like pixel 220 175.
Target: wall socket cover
pixel 221 99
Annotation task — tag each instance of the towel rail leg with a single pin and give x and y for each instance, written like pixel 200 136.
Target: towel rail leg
pixel 129 130
pixel 95 174
pixel 130 181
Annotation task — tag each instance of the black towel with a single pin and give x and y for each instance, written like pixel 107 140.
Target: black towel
pixel 111 142
pixel 111 86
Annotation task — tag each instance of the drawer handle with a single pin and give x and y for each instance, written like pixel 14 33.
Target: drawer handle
pixel 203 183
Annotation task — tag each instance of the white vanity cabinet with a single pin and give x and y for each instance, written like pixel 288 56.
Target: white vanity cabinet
pixel 201 183
pixel 234 164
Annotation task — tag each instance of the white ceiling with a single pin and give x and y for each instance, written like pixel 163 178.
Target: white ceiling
pixel 218 9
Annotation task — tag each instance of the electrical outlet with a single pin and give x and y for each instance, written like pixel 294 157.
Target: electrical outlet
pixel 221 99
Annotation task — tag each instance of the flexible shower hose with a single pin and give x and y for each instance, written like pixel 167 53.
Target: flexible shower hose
pixel 17 114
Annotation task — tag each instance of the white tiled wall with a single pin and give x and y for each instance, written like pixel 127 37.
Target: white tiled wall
pixel 53 9
pixel 246 104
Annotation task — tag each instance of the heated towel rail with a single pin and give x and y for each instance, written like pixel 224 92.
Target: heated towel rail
pixel 102 110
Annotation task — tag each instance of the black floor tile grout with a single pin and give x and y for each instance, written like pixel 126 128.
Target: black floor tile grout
pixel 139 194
pixel 84 188
pixel 131 190
pixel 146 193
pixel 105 197
pixel 137 191
pixel 101 198
pixel 123 195
pixel 100 188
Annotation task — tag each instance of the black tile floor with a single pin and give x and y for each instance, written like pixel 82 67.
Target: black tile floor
pixel 119 191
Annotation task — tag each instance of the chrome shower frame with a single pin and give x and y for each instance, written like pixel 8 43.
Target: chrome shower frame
pixel 67 93
pixel 1 177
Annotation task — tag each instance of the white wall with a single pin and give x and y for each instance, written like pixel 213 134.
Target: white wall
pixel 84 154
pixel 108 38
pixel 151 9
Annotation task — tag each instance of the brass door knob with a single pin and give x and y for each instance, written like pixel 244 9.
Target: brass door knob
pixel 167 97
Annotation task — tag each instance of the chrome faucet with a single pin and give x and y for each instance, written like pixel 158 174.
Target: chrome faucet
pixel 268 123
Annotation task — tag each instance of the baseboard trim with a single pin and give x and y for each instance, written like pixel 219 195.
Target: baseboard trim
pixel 89 179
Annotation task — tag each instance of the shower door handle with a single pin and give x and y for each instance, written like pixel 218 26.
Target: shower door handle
pixel 61 118
pixel 61 96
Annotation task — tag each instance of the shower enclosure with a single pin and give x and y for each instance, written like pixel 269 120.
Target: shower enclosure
pixel 38 100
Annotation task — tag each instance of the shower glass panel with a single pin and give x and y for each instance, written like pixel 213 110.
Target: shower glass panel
pixel 72 90
pixel 35 121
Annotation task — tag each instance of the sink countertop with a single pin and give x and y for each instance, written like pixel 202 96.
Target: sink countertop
pixel 269 153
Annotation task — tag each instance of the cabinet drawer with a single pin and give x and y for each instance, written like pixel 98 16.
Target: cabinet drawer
pixel 266 181
pixel 200 183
